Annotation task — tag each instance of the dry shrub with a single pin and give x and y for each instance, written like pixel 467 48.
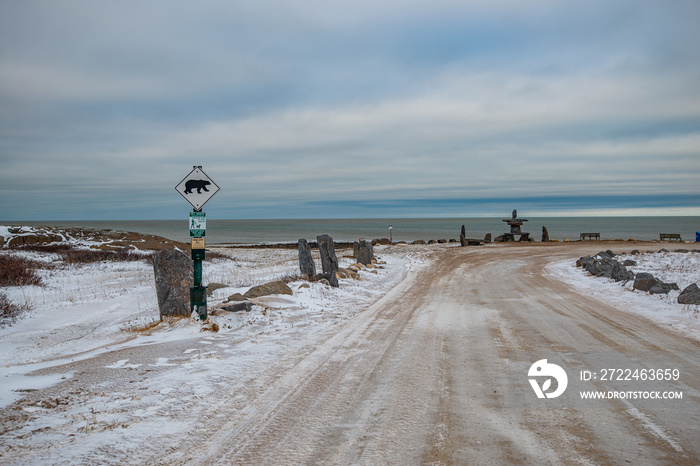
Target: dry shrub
pixel 72 255
pixel 9 311
pixel 18 271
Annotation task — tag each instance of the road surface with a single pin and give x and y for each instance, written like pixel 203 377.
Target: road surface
pixel 422 377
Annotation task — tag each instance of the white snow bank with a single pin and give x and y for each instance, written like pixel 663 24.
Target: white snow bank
pixel 681 268
pixel 86 310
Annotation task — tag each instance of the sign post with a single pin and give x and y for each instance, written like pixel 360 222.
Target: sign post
pixel 197 188
pixel 391 237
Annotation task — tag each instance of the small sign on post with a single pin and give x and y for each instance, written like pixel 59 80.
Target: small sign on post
pixel 197 188
pixel 198 224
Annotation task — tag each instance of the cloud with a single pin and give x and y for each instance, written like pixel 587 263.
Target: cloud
pixel 106 106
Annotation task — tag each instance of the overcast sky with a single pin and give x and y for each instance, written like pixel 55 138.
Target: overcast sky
pixel 369 108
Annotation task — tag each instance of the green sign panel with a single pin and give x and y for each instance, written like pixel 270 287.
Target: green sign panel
pixel 198 224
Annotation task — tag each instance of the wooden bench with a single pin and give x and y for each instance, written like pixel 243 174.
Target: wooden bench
pixel 670 237
pixel 590 236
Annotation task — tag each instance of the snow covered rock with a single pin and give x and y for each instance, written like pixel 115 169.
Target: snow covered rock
pixel 326 248
pixel 690 295
pixel 268 289
pixel 644 281
pixel 173 274
pixel 306 261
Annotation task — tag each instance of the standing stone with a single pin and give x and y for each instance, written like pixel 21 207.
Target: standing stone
pixel 487 238
pixel 365 252
pixel 306 261
pixel 355 249
pixel 463 232
pixel 545 235
pixel 326 247
pixel 173 274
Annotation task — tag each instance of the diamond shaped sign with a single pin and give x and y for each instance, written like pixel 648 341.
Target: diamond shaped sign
pixel 197 188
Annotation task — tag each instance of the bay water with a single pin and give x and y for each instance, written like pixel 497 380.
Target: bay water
pixel 232 231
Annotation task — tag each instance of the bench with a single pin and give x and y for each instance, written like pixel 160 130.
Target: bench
pixel 590 236
pixel 670 237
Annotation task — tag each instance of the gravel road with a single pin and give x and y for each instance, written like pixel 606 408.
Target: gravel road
pixel 422 377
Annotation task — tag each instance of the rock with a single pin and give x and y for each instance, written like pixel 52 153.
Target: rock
pixel 214 286
pixel 236 297
pixel 355 249
pixel 419 241
pixel 383 241
pixel 431 241
pixel 662 288
pixel 690 295
pixel 306 261
pixel 304 285
pixel 442 241
pixel 629 263
pixel 173 275
pixel 545 234
pixel 329 261
pixel 682 251
pixel 347 273
pixel 268 289
pixel 620 273
pixel 500 239
pixel 237 307
pixel 463 231
pixel 635 252
pixel 330 279
pixel 462 240
pixel 365 253
pixel 487 238
pixel 644 281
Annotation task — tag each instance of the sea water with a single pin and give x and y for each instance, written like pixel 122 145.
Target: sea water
pixel 221 231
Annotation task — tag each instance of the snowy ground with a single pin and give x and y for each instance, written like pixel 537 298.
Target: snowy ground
pixel 681 268
pixel 100 312
pixel 92 319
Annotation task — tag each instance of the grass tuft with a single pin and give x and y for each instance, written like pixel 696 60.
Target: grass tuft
pixel 18 271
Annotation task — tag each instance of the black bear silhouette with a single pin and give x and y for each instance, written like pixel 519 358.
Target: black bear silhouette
pixel 196 184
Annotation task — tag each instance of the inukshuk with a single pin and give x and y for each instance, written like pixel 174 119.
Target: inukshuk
pixel 515 224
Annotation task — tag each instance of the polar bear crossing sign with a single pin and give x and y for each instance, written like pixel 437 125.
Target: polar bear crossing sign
pixel 197 188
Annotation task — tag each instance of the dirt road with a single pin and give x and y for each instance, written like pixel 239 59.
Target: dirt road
pixel 422 378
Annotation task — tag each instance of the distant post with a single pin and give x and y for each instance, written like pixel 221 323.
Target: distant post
pixel 197 188
pixel 391 238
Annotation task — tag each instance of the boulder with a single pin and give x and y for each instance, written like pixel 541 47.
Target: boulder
pixel 690 295
pixel 172 270
pixel 236 297
pixel 326 248
pixel 462 240
pixel 330 279
pixel 620 273
pixel 419 241
pixel 545 235
pixel 643 281
pixel 365 252
pixel 635 252
pixel 306 261
pixel 663 288
pixel 629 263
pixel 487 238
pixel 268 289
pixel 237 307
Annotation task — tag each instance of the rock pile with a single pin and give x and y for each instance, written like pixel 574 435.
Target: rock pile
pixel 603 264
